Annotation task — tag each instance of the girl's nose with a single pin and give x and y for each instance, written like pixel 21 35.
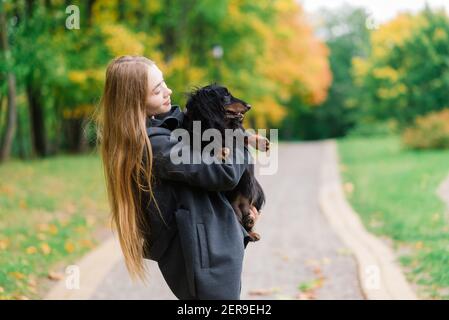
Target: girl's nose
pixel 168 91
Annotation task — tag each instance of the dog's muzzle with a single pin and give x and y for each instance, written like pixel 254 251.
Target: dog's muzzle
pixel 234 116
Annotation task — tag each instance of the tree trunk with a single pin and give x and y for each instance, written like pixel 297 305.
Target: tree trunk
pixel 11 120
pixel 75 139
pixel 38 138
pixel 90 4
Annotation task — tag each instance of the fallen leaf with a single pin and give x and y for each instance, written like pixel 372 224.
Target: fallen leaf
pixel 263 292
pixel 435 217
pixel 306 296
pixel 348 187
pixel 53 229
pixel 41 236
pixel 69 246
pixel 32 282
pixel 17 275
pixel 80 229
pixel 31 250
pixel 43 227
pixel 70 207
pixel 86 243
pixel 90 220
pixel 317 270
pixel 4 244
pixel 23 204
pixel 344 252
pixel 56 276
pixel 419 245
pixel 7 190
pixel 312 262
pixel 45 248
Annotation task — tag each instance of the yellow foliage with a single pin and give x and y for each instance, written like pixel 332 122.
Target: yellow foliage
pixel 81 77
pixel 439 35
pixel 105 11
pixel 383 40
pixel 267 108
pixel 77 76
pixel 391 91
pixel 296 56
pixel 386 73
pixel 285 6
pixel 121 41
pixel 234 12
pixel 360 68
pixel 154 6
pixel 394 33
pixel 79 112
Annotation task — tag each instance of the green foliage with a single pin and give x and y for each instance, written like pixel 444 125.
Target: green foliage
pixel 346 37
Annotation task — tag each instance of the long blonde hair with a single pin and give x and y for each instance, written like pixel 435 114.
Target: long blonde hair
pixel 124 148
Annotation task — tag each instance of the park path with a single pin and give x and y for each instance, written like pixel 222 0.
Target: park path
pixel 298 246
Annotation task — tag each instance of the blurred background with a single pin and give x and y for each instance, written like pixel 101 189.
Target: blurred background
pixel 374 75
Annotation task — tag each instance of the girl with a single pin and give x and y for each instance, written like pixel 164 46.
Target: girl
pixel 175 214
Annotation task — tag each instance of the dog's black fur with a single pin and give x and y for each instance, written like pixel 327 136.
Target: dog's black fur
pixel 217 108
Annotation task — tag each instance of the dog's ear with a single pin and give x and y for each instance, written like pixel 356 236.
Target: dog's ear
pixel 205 104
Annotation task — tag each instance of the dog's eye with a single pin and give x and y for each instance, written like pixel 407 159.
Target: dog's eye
pixel 227 100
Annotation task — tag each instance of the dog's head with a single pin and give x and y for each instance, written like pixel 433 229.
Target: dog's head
pixel 216 108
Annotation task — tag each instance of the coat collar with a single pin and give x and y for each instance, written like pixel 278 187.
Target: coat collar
pixel 169 120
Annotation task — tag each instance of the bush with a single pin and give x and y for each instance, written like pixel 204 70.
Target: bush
pixel 430 131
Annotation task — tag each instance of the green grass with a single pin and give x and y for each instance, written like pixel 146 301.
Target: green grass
pixel 394 191
pixel 49 212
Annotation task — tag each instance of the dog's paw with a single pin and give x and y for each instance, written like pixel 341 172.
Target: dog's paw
pixel 254 236
pixel 259 142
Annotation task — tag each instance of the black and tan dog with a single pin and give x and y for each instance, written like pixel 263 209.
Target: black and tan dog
pixel 218 109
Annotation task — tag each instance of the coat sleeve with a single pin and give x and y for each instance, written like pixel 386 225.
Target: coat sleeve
pixel 212 177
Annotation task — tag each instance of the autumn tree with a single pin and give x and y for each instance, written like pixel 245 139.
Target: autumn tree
pixel 407 73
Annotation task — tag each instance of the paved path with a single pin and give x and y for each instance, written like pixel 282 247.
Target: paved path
pixel 298 246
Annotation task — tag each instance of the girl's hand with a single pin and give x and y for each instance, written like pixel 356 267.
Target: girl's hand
pixel 224 154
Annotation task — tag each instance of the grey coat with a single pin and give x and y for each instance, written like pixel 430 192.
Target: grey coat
pixel 200 247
